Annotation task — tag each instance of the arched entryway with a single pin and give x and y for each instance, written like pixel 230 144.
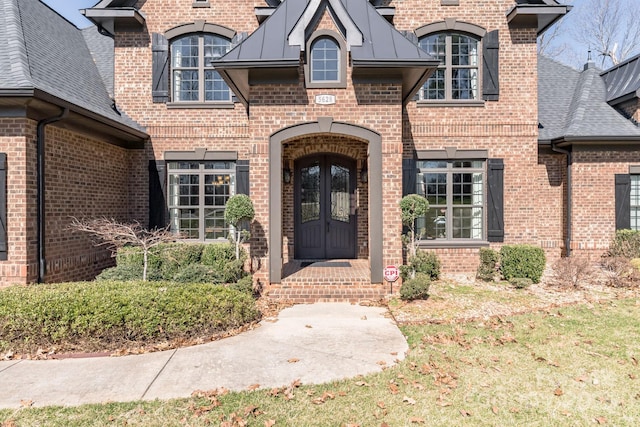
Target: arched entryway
pixel 323 161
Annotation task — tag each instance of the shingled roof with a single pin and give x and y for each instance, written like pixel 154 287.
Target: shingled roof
pixel 371 39
pixel 572 106
pixel 49 57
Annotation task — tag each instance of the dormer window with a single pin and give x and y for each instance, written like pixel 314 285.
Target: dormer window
pixel 326 62
pixel 192 75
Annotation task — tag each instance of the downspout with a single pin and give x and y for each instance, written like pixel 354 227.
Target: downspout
pixel 567 242
pixel 41 188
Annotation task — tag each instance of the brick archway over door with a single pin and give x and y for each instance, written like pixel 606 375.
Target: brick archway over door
pixel 325 125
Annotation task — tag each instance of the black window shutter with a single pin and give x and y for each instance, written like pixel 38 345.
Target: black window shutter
pixel 158 212
pixel 623 201
pixel 160 68
pixel 3 206
pixel 495 200
pixel 490 66
pixel 408 176
pixel 242 177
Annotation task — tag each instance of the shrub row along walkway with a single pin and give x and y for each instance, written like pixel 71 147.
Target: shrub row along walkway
pixel 313 343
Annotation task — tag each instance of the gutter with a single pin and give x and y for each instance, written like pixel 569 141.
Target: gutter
pixel 567 242
pixel 40 140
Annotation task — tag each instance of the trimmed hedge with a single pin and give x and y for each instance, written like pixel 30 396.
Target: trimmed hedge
pixel 180 262
pixel 522 261
pixel 103 315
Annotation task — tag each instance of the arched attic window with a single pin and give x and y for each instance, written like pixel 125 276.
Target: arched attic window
pixel 469 62
pixel 326 63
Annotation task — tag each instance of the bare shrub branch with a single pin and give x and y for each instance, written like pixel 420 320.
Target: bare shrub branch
pixel 115 234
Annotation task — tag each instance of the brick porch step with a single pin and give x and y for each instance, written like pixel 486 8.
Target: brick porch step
pixel 327 281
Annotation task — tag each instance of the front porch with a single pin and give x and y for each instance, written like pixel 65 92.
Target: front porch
pixel 335 280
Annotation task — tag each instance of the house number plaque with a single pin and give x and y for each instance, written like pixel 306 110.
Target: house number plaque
pixel 325 99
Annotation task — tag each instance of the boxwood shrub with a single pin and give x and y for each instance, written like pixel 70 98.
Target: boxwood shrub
pixel 626 244
pixel 108 314
pixel 522 261
pixel 416 288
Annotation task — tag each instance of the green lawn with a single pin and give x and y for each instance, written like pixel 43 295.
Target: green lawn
pixel 570 366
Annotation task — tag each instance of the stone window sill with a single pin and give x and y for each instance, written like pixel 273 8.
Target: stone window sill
pixel 421 103
pixel 203 105
pixel 452 244
pixel 201 4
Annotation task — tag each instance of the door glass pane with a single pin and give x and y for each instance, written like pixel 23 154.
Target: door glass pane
pixel 340 200
pixel 310 193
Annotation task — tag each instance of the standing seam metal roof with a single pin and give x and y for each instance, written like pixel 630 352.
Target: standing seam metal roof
pixel 623 79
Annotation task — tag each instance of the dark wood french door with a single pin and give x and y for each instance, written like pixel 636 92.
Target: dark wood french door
pixel 325 208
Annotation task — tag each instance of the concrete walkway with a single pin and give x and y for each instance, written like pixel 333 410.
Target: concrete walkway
pixel 329 340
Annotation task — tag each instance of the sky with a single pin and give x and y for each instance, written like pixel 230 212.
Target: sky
pixel 69 9
pixel 576 56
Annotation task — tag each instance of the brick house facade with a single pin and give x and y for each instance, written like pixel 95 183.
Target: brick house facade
pixel 326 112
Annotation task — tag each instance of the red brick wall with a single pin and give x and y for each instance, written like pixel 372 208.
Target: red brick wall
pixel 507 128
pixel 593 208
pixel 17 140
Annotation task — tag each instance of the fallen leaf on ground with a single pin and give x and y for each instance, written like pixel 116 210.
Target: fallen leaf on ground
pixel 416 420
pixel 465 413
pixel 601 420
pixel 293 360
pixel 26 403
pixel 269 423
pixel 409 400
pixel 558 392
pixel 494 409
pixel 253 387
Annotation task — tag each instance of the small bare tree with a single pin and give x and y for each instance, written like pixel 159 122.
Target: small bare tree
pixel 116 234
pixel 610 28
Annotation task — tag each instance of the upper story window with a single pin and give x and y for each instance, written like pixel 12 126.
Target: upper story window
pixel 325 60
pixel 193 78
pixel 458 76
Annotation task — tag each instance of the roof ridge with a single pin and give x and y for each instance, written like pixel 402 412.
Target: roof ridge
pixel 16 63
pixel 579 102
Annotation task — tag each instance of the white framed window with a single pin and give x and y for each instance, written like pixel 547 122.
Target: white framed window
pixel 198 192
pixel 635 202
pixel 456 192
pixel 325 60
pixel 193 78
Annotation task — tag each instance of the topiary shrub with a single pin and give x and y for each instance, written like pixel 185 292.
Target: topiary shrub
pixel 416 288
pixel 423 262
pixel 521 282
pixel 412 207
pixel 626 243
pixel 238 212
pixel 488 264
pixel 522 261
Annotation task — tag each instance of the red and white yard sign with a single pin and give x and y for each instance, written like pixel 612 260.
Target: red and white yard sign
pixel 391 273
